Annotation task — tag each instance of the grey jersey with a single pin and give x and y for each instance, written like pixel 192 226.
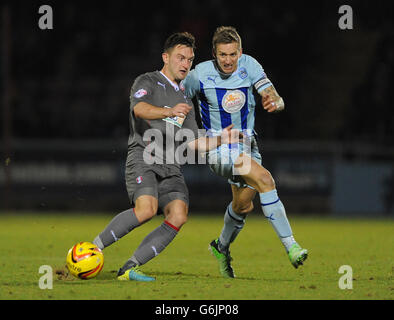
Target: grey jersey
pixel 154 88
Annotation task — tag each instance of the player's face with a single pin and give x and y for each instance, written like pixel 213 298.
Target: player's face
pixel 227 55
pixel 177 62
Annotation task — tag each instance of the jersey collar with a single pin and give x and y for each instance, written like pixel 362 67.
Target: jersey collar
pixel 223 75
pixel 176 87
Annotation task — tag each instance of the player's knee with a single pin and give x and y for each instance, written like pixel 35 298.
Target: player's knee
pixel 145 213
pixel 181 220
pixel 265 181
pixel 177 218
pixel 145 208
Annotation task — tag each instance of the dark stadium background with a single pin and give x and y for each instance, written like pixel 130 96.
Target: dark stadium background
pixel 64 100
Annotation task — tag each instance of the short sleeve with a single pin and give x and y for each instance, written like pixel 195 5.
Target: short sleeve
pixel 257 75
pixel 141 91
pixel 191 84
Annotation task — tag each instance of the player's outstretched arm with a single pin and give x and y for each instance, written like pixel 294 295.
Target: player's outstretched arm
pixel 271 100
pixel 149 112
pixel 228 136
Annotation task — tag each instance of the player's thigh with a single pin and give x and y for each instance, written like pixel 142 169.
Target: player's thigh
pixel 175 212
pixel 141 180
pixel 142 188
pixel 254 174
pixel 172 188
pixel 174 199
pixel 242 199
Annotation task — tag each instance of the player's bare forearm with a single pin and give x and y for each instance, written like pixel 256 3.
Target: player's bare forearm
pixel 271 100
pixel 147 111
pixel 204 144
pixel 228 136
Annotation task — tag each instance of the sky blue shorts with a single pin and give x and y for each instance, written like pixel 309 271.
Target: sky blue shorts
pixel 221 160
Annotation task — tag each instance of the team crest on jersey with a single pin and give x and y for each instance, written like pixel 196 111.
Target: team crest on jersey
pixel 242 73
pixel 139 179
pixel 233 101
pixel 140 93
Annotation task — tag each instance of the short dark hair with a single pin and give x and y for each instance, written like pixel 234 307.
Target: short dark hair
pixel 226 35
pixel 179 38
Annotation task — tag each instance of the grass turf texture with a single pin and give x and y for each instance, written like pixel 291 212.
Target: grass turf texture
pixel 186 270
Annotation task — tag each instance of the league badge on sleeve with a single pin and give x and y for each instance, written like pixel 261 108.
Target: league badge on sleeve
pixel 140 93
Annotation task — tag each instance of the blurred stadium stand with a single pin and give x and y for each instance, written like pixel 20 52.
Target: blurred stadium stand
pixel 64 107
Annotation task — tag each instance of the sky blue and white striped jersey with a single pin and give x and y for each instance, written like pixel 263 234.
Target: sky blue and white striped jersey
pixel 224 101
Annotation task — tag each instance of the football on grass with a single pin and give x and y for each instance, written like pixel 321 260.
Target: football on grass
pixel 85 260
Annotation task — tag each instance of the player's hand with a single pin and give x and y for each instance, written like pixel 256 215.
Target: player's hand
pixel 272 105
pixel 230 135
pixel 180 110
pixel 269 104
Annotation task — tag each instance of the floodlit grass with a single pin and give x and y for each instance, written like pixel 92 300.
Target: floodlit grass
pixel 187 271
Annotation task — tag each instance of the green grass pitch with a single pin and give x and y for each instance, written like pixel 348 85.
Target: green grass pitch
pixel 187 271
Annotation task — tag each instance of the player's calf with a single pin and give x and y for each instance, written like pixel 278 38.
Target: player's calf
pixel 264 180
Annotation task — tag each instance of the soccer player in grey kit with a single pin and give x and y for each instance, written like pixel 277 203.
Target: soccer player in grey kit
pixel 158 104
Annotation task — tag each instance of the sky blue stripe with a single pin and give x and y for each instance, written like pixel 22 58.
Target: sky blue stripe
pixel 204 110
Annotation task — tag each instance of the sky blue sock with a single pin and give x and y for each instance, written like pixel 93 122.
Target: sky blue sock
pixel 275 212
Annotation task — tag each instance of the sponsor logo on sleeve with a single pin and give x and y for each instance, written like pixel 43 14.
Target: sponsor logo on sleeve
pixel 140 93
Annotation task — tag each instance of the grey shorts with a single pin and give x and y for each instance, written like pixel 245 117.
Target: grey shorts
pixel 165 183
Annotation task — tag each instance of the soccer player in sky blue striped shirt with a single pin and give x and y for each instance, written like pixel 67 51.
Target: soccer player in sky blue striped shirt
pixel 224 90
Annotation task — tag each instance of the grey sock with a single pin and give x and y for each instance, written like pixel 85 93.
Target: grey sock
pixel 119 226
pixel 154 243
